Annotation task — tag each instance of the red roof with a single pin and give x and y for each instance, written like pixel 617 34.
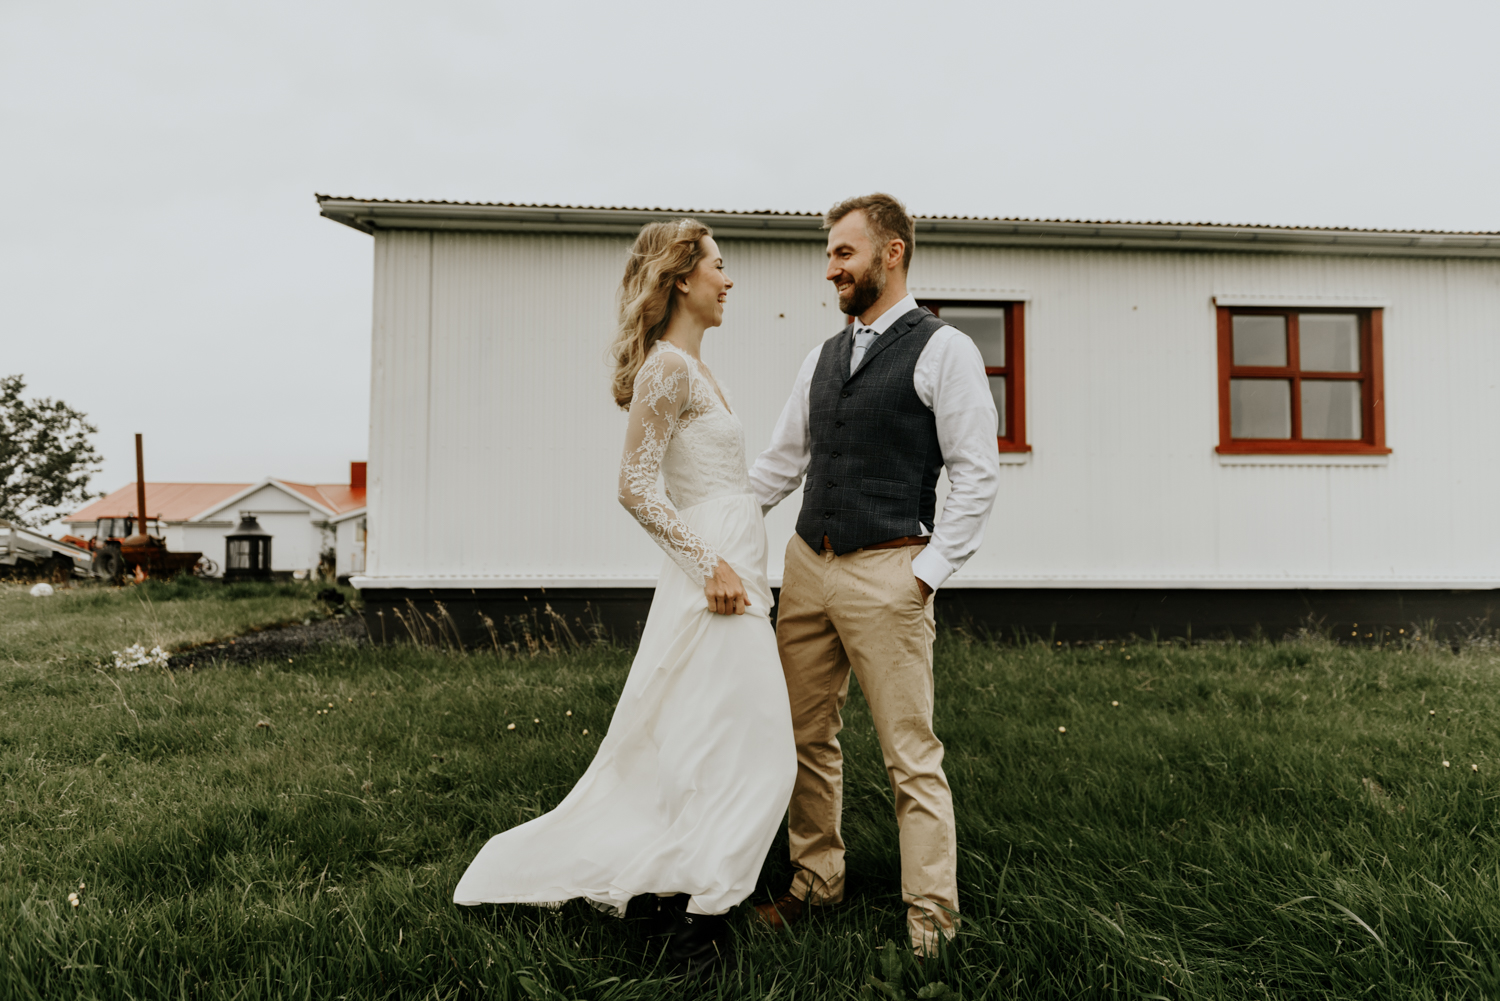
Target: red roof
pixel 168 501
pixel 338 497
pixel 182 501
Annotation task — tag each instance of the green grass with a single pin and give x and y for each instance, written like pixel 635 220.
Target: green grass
pixel 87 622
pixel 1254 821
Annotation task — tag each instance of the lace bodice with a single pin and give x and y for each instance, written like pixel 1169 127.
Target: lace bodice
pixel 681 432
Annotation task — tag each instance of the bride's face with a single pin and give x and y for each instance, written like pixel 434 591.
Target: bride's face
pixel 703 292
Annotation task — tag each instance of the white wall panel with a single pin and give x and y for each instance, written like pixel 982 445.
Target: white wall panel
pixel 494 445
pixel 525 440
pixel 398 470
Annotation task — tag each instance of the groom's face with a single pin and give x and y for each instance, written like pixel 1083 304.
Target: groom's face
pixel 855 266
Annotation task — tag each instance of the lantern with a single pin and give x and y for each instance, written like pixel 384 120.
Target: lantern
pixel 247 551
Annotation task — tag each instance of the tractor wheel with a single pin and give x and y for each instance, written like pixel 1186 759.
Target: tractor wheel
pixel 110 565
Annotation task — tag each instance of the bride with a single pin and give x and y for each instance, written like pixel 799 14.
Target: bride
pixel 688 789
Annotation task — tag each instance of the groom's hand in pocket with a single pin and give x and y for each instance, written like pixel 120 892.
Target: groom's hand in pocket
pixel 922 588
pixel 725 592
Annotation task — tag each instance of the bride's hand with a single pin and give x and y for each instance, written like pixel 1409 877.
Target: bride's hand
pixel 725 594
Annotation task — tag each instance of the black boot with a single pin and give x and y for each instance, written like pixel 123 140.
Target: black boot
pixel 700 943
pixel 655 915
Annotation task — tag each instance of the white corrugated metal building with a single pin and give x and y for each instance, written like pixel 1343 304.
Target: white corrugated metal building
pixel 1169 462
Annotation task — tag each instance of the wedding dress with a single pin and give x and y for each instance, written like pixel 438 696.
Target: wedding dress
pixel 693 778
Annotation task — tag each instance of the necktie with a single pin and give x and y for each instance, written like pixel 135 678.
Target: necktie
pixel 863 338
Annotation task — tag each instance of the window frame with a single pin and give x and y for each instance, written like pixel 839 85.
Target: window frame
pixel 1014 368
pixel 1371 377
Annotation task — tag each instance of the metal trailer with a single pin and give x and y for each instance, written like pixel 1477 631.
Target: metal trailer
pixel 32 554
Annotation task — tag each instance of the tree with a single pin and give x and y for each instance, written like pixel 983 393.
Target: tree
pixel 46 456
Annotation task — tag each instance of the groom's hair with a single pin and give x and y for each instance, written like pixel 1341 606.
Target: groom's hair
pixel 885 218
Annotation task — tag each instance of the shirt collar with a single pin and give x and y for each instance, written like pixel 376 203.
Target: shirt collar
pixel 884 320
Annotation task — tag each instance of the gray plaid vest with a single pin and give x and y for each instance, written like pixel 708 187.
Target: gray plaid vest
pixel 875 453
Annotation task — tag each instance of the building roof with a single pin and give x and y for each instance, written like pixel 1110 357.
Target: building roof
pixel 372 214
pixel 184 501
pixel 337 497
pixel 353 512
pixel 167 501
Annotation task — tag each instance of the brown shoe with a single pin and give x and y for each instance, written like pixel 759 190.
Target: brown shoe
pixel 781 913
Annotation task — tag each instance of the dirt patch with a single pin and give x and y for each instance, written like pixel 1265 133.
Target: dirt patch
pixel 277 642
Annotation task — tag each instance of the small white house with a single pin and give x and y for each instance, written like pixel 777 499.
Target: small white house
pixel 195 517
pixel 1205 427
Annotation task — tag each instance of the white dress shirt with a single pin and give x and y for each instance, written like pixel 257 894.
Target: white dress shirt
pixel 950 379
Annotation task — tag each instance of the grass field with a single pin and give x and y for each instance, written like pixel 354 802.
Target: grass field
pixel 88 623
pixel 1252 821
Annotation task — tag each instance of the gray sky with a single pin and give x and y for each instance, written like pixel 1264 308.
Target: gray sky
pixel 163 266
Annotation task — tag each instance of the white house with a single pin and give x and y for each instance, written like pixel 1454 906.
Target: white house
pixel 1206 427
pixel 195 517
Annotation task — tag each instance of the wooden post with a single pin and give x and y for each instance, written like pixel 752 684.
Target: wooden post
pixel 140 486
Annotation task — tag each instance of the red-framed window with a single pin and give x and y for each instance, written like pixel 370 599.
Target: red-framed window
pixel 1309 381
pixel 999 329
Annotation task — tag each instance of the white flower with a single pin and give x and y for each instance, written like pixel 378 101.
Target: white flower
pixel 511 727
pixel 1473 768
pixel 136 656
pixel 1115 704
pixel 1062 729
pixel 72 898
pixel 1445 764
pixel 585 733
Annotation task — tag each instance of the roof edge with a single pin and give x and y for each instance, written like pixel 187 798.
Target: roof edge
pixel 269 481
pixel 373 215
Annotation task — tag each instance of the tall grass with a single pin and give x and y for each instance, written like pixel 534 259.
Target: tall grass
pixel 1252 821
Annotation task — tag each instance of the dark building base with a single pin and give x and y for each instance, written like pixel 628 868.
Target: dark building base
pixel 1075 614
pixel 528 617
pixel 523 617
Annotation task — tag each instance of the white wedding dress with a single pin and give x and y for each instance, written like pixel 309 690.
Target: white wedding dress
pixel 693 778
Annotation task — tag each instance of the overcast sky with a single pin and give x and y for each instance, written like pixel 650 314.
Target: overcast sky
pixel 164 269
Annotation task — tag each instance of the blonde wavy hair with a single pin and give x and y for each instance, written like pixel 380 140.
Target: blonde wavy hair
pixel 663 253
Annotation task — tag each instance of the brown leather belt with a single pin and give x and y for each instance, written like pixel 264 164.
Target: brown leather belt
pixel 905 540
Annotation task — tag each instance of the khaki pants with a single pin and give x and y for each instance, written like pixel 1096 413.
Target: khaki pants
pixel 863 611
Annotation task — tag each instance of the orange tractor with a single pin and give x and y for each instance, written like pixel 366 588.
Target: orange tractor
pixel 125 547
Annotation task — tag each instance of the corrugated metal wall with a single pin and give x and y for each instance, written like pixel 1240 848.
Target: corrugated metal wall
pixel 494 444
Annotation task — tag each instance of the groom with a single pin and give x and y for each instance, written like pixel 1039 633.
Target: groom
pixel 876 412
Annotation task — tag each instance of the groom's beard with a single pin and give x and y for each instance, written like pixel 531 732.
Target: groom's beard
pixel 867 290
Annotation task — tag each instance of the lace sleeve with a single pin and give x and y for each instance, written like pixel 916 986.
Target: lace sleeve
pixel 661 396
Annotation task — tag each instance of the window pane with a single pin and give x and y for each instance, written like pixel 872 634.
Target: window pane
pixel 1260 340
pixel 997 390
pixel 1260 408
pixel 1332 409
pixel 1328 342
pixel 985 325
